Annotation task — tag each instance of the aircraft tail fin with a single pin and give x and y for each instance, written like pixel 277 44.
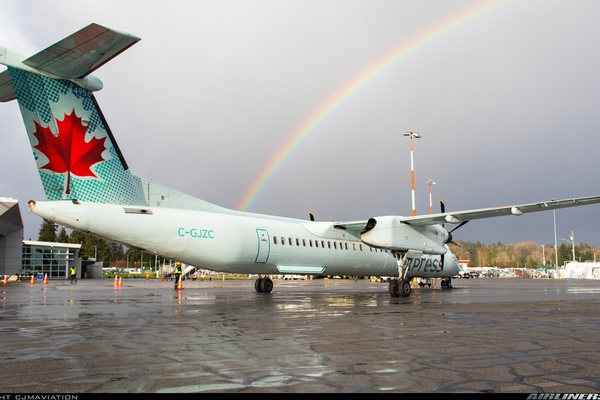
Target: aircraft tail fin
pixel 75 151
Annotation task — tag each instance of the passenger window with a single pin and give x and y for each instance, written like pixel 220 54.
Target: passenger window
pixel 329 244
pixel 304 242
pixel 316 243
pixel 274 239
pixel 310 242
pixel 322 243
pixel 335 245
pixel 360 247
pixel 282 240
pixel 297 242
pixel 290 241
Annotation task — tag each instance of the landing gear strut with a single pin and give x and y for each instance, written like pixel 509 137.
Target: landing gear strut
pixel 263 285
pixel 400 287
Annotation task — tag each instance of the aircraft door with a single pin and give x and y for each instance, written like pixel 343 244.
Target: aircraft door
pixel 264 246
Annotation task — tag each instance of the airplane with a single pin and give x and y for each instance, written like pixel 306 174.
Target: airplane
pixel 90 188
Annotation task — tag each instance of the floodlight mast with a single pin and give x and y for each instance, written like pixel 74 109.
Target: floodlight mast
pixel 412 168
pixel 430 183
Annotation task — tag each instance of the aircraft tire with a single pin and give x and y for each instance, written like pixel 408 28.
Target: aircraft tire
pixel 406 288
pixel 258 284
pixel 393 288
pixel 266 285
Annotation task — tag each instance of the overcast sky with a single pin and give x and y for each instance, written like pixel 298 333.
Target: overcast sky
pixel 505 96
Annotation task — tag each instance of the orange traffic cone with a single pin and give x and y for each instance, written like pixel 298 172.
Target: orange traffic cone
pixel 45 279
pixel 120 281
pixel 147 277
pixel 180 284
pixel 223 277
pixel 163 278
pixel 32 280
pixel 5 280
pixel 116 281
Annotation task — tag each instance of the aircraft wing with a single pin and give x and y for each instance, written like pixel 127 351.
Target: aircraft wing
pixel 351 225
pixel 456 217
pixel 82 52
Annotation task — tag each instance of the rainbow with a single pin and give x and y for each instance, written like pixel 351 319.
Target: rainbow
pixel 353 86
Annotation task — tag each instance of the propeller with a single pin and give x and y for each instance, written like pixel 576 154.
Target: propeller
pixel 450 238
pixel 450 233
pixel 443 210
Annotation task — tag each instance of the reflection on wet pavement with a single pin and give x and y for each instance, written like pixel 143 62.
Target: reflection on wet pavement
pixel 485 335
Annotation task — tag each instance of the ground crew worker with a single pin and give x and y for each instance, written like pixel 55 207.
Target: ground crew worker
pixel 73 273
pixel 177 273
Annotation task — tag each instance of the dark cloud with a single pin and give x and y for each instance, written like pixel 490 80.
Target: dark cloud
pixel 506 102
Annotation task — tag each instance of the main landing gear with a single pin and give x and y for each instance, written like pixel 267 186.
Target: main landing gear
pixel 399 287
pixel 263 285
pixel 446 283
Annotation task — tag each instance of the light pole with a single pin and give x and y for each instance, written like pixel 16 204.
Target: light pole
pixel 555 241
pixel 543 256
pixel 412 168
pixel 128 252
pixel 430 183
pixel 572 241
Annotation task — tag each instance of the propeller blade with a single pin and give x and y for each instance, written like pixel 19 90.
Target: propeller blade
pixel 458 226
pixel 442 210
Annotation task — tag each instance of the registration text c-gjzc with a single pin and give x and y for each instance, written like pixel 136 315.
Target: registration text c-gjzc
pixel 197 233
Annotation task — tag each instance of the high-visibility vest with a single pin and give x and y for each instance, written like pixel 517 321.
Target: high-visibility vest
pixel 73 271
pixel 177 270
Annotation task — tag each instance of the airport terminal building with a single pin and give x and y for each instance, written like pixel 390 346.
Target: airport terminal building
pixel 32 258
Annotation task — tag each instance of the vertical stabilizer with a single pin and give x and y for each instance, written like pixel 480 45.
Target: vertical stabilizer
pixel 76 155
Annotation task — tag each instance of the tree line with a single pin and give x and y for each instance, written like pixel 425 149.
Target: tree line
pixel 521 255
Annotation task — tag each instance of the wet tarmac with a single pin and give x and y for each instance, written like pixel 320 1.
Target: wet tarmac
pixel 321 336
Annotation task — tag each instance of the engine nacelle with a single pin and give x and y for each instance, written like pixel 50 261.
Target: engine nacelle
pixel 389 232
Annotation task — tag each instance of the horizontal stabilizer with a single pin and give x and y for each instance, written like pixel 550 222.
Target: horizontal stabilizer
pixel 7 93
pixel 82 52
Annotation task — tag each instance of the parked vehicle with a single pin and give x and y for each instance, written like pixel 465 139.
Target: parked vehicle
pixel 522 273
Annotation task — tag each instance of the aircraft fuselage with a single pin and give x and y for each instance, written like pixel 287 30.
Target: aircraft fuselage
pixel 244 243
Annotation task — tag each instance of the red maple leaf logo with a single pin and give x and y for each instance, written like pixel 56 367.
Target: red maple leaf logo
pixel 68 151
